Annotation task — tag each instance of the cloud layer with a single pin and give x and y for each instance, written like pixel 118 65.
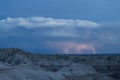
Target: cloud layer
pixel 49 35
pixel 46 22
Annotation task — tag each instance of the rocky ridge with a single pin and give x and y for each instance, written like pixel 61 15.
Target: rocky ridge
pixel 17 64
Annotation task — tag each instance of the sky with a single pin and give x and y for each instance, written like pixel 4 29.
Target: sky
pixel 61 26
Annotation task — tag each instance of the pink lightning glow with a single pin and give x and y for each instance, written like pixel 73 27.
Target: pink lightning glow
pixel 81 47
pixel 73 47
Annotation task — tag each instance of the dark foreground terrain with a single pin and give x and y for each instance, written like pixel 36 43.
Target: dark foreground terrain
pixel 16 64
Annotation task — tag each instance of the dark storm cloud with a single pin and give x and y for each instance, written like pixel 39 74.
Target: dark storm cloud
pixel 50 35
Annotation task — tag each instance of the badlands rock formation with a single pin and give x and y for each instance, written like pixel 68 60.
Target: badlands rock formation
pixel 16 64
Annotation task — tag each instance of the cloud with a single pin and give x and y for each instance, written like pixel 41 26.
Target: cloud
pixel 52 27
pixel 63 35
pixel 38 22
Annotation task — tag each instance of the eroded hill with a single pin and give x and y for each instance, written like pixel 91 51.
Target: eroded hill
pixel 17 64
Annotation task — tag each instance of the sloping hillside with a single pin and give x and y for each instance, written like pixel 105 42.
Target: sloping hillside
pixel 16 64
